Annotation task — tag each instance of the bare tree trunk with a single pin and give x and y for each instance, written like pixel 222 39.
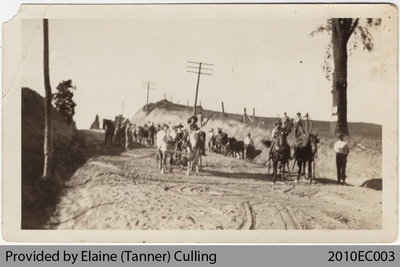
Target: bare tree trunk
pixel 48 131
pixel 339 92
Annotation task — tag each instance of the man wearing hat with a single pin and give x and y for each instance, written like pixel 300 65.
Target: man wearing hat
pixel 161 136
pixel 192 123
pixel 298 125
pixel 165 126
pixel 179 128
pixel 248 146
pixel 298 131
pixel 285 120
pixel 342 150
pixel 276 130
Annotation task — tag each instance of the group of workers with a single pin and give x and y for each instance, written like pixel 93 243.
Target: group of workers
pixel 340 147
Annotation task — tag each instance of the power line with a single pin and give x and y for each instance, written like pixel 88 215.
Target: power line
pixel 149 86
pixel 199 69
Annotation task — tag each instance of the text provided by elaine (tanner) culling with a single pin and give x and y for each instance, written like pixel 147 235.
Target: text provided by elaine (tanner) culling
pixel 124 256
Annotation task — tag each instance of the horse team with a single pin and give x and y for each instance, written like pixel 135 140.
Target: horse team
pixel 185 148
pixel 304 152
pixel 122 132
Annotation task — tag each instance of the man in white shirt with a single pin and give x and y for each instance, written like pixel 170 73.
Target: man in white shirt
pixel 342 150
pixel 276 129
pixel 248 146
pixel 285 120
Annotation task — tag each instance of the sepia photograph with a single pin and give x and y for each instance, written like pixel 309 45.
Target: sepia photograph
pixel 204 117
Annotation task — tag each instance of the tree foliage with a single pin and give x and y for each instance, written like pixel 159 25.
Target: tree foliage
pixel 357 35
pixel 63 100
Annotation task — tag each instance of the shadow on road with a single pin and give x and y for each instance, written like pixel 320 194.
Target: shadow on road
pixel 375 183
pixel 40 197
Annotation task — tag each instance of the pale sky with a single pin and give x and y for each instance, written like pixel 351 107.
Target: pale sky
pixel 256 64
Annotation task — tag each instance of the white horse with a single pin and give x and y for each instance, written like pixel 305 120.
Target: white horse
pixel 194 149
pixel 166 146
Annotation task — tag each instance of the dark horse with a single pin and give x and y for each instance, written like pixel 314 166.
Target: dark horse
pixel 221 140
pixel 305 153
pixel 108 126
pixel 181 142
pixel 280 154
pixel 202 142
pixel 119 131
pixel 139 134
pixel 149 134
pixel 120 134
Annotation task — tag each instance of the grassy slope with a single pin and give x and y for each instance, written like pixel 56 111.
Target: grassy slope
pixel 364 162
pixel 66 150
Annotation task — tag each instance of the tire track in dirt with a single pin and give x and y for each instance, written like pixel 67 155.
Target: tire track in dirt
pixel 249 222
pixel 79 214
pixel 286 217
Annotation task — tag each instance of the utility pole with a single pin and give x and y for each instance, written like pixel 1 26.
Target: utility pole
pixel 48 126
pixel 199 69
pixel 149 86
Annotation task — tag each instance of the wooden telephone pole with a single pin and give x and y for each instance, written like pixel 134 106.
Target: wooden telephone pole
pixel 48 127
pixel 199 69
pixel 149 86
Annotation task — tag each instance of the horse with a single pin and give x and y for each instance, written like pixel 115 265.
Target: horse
pixel 149 133
pixel 211 141
pixel 139 134
pixel 166 146
pixel 280 155
pixel 108 126
pixel 229 147
pixel 202 137
pixel 249 151
pixel 195 145
pixel 181 142
pixel 120 135
pixel 305 153
pixel 119 131
pixel 221 140
pixel 235 148
pixel 128 134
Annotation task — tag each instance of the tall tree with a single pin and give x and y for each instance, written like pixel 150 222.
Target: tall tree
pixel 48 131
pixel 341 29
pixel 63 101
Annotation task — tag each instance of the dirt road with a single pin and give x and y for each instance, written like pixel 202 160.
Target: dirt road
pixel 126 191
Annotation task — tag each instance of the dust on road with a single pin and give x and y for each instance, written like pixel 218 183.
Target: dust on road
pixel 127 191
